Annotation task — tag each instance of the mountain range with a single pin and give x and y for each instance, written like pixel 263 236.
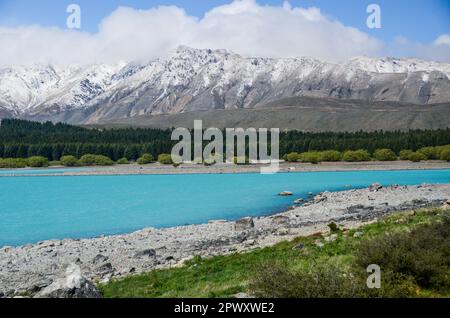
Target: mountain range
pixel 201 80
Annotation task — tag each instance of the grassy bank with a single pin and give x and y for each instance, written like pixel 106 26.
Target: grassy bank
pixel 335 259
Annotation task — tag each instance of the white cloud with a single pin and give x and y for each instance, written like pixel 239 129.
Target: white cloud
pixel 242 26
pixel 438 50
pixel 444 39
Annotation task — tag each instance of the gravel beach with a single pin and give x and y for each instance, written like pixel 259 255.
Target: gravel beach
pixel 28 269
pixel 155 168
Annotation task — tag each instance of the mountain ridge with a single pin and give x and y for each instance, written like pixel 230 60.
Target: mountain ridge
pixel 202 80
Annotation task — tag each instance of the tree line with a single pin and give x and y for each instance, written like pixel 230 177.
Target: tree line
pixel 24 139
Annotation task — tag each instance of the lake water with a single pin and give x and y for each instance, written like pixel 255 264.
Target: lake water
pixel 48 207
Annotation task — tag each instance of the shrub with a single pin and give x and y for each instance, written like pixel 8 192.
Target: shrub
pixel 95 160
pixel 405 154
pixel 37 161
pixel 311 157
pixel 292 157
pixel 334 228
pixel 430 152
pixel 13 163
pixel 326 281
pixel 356 156
pixel 445 155
pixel 68 161
pixel 145 159
pixel 122 161
pixel 384 155
pixel 165 159
pixel 103 161
pixel 331 156
pixel 422 254
pixel 440 149
pixel 417 157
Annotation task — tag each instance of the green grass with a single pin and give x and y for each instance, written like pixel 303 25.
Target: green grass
pixel 224 276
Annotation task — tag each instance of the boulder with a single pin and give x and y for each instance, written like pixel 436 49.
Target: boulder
pixel 244 224
pixel 285 193
pixel 99 259
pixel 448 202
pixel 105 269
pixel 280 219
pixel 331 238
pixel 374 187
pixel 146 253
pixel 320 198
pixel 70 285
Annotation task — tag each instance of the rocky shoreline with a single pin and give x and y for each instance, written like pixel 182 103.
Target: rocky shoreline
pixel 34 268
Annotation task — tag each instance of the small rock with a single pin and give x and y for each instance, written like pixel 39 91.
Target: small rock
pixel 280 219
pixel 244 224
pixel 282 231
pixel 448 202
pixel 217 221
pixel 358 234
pixel 146 253
pixel 331 238
pixel 299 246
pixel 285 193
pixel 250 243
pixel 99 259
pixel 6 249
pixel 105 269
pixel 71 285
pixel 374 187
pixel 299 201
pixel 319 244
pixel 242 295
pixel 319 198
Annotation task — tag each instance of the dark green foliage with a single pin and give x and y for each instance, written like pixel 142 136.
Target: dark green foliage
pixel 445 155
pixel 122 161
pixel 430 152
pixel 37 161
pixel 311 157
pixel 325 281
pixel 423 254
pixel 330 156
pixel 165 159
pixel 405 154
pixel 292 157
pixel 384 155
pixel 334 228
pixel 417 156
pixel 145 159
pixel 22 139
pixel 356 156
pixel 13 163
pixel 68 161
pixel 95 160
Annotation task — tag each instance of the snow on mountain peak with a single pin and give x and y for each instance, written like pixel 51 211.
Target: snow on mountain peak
pixel 35 88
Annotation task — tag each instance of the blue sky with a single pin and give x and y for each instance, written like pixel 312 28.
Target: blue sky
pixel 417 20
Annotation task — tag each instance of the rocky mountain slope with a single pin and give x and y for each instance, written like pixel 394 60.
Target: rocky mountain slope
pixel 203 80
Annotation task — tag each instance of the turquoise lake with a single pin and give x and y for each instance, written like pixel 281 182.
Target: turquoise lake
pixel 50 207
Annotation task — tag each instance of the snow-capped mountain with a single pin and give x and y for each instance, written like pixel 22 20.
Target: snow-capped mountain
pixel 192 80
